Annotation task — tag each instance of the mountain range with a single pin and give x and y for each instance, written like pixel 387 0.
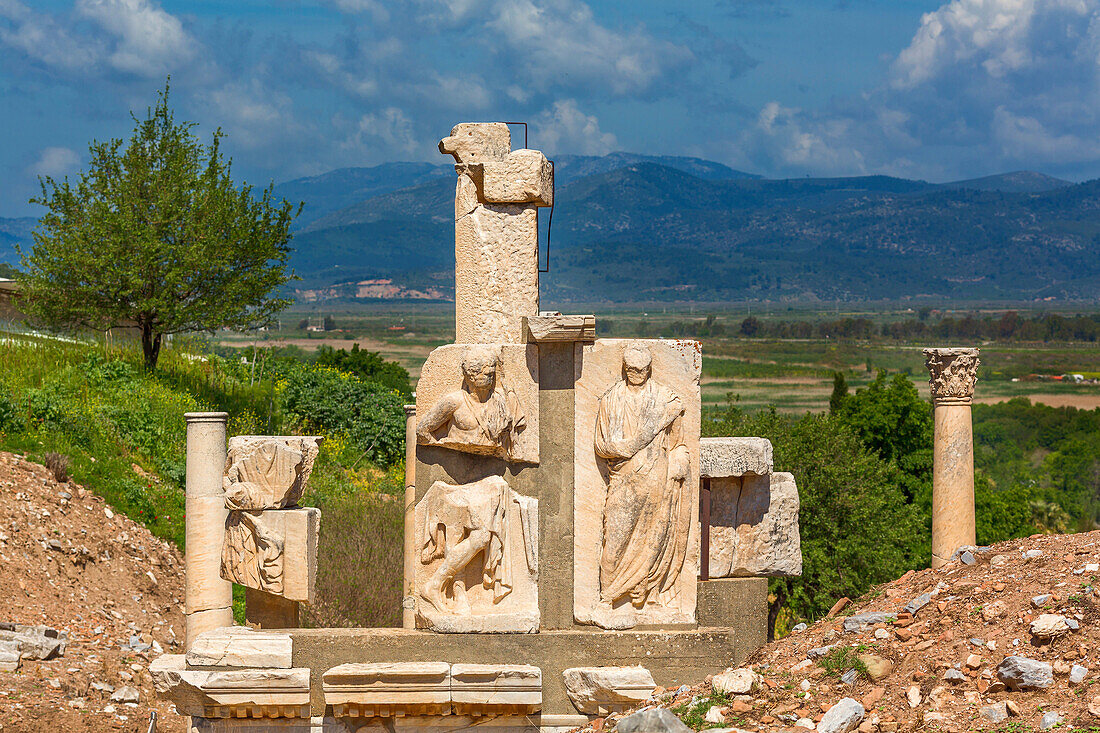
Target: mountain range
pixel 629 227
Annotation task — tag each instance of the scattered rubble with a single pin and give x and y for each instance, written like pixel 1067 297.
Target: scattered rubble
pixel 80 617
pixel 1010 642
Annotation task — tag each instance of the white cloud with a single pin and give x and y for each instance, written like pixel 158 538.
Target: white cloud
pixel 148 41
pixel 55 162
pixel 386 135
pixel 564 128
pixel 561 42
pixel 41 38
pixel 984 86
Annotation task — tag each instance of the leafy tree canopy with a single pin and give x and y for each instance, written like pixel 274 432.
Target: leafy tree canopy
pixel 156 235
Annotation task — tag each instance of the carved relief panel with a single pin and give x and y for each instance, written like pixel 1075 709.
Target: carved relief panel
pixel 636 528
pixel 482 399
pixel 476 558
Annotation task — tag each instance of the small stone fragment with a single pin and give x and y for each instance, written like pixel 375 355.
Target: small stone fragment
pixel 1077 674
pixel 714 715
pixel 850 677
pixel 913 696
pixel 843 717
pixel 654 720
pixel 1021 673
pixel 877 667
pixel 954 675
pixel 1032 554
pixel 1049 626
pixel 918 603
pixel 736 682
pixel 799 627
pixel 996 713
pixel 993 610
pixel 1049 720
pixel 1041 600
pixel 804 723
pixel 861 621
pixel 126 694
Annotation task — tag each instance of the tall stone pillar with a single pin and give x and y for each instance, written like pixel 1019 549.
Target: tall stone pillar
pixel 408 603
pixel 496 231
pixel 952 374
pixel 208 599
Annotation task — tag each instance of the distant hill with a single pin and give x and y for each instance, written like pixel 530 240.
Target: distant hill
pixel 1015 182
pixel 646 231
pixel 630 227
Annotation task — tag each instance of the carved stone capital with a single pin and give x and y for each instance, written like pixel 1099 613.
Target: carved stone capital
pixel 952 374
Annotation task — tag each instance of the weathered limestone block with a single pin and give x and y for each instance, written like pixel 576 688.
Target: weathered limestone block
pixel 273 550
pixel 754 526
pixel 482 399
pixel 237 693
pixel 555 327
pixel 388 690
pixel 477 558
pixel 636 479
pixel 496 244
pixel 523 177
pixel 268 472
pixel 603 690
pixel 240 646
pixel 495 689
pixel 722 457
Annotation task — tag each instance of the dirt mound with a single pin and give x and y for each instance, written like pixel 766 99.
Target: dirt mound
pixel 927 652
pixel 68 563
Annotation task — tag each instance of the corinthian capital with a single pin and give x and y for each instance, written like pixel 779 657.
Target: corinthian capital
pixel 952 374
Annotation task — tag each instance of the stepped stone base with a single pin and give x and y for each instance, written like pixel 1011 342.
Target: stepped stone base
pixel 674 657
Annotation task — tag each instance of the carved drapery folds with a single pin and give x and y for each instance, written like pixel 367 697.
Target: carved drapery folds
pixel 270 542
pixel 636 550
pixel 952 374
pixel 478 558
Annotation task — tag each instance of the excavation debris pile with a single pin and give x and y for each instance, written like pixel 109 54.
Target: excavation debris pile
pixel 1004 638
pixel 87 599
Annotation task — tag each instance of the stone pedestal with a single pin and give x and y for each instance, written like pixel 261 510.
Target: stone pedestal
pixel 208 599
pixel 952 375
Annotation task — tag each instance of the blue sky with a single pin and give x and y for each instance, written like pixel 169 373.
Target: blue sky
pixel 926 89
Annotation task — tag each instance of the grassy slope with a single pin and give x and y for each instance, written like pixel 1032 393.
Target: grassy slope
pixel 123 433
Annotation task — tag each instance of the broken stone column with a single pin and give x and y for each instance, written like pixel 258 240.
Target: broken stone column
pixel 270 544
pixel 496 231
pixel 208 599
pixel 952 375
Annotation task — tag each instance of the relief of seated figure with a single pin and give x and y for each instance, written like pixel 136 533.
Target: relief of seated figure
pixel 483 416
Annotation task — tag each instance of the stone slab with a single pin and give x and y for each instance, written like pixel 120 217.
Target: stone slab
pixel 754 526
pixel 601 690
pixel 495 589
pixel 236 693
pixel 675 368
pixel 273 550
pixel 495 689
pixel 517 371
pixel 240 646
pixel 722 457
pixel 547 327
pixel 358 690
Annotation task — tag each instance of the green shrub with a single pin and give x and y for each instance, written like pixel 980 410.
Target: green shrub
pixel 369 415
pixel 9 412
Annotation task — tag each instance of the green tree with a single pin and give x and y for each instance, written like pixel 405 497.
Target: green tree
pixel 367 365
pixel 157 236
pixel 840 393
pixel 857 528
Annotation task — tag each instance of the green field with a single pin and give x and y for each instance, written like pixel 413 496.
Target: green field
pixel 793 375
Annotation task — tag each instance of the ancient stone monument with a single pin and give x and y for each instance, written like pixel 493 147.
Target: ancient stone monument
pixel 556 566
pixel 952 374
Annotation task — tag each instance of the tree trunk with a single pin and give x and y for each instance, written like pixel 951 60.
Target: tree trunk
pixel 150 345
pixel 775 606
